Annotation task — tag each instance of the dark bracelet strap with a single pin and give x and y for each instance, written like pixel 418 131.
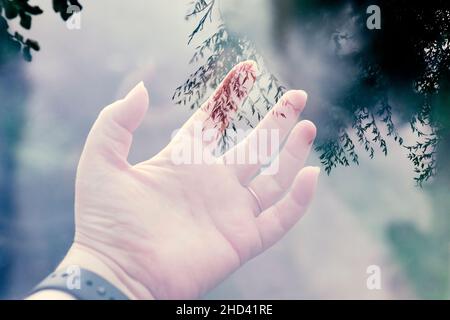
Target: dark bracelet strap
pixel 82 284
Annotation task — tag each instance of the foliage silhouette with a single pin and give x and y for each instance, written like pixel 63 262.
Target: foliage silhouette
pixel 407 58
pixel 14 49
pixel 11 43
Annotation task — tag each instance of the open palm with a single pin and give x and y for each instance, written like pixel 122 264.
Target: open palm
pixel 176 228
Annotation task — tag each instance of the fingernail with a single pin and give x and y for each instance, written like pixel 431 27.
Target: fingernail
pixel 311 140
pixel 308 131
pixel 254 65
pixel 315 171
pixel 307 185
pixel 136 88
pixel 304 93
pixel 297 99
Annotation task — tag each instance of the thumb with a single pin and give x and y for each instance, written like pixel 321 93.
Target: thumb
pixel 112 133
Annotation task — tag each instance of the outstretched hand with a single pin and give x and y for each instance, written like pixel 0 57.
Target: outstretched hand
pixel 167 229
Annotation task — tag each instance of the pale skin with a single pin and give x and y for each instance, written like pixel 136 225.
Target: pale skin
pixel 159 230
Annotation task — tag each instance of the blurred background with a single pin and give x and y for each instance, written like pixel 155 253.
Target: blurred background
pixel 363 215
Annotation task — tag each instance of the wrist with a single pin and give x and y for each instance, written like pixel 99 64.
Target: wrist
pixel 86 258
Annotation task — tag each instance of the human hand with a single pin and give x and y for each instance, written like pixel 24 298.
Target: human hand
pixel 166 230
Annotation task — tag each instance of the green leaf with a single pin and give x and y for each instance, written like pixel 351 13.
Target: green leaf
pixel 33 44
pixel 11 10
pixel 58 5
pixel 33 9
pixel 25 20
pixel 27 54
pixel 18 36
